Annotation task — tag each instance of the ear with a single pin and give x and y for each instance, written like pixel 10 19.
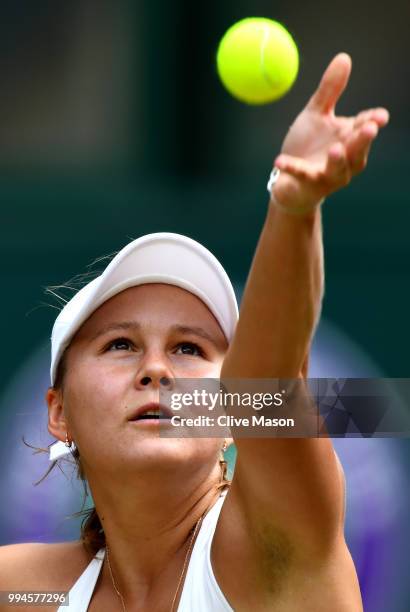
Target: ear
pixel 57 424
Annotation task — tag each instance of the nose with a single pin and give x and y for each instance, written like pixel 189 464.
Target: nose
pixel 154 372
pixel 164 380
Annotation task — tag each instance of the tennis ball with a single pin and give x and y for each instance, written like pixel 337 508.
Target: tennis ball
pixel 257 60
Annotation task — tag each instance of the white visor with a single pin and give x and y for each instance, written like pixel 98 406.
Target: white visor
pixel 162 257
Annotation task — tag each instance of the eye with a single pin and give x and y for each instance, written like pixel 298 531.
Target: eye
pixel 118 342
pixel 191 347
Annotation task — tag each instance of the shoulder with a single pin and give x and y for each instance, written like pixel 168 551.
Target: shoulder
pixel 42 566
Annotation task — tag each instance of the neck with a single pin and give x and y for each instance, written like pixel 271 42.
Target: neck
pixel 148 526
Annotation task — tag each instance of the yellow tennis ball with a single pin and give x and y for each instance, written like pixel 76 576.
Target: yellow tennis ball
pixel 257 60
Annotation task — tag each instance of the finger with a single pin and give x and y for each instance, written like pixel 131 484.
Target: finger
pixel 358 146
pixel 337 167
pixel 332 84
pixel 297 167
pixel 379 115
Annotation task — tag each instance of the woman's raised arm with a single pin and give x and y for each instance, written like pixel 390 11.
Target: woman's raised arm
pixel 282 297
pixel 296 485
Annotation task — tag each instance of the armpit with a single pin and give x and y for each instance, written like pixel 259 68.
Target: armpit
pixel 275 554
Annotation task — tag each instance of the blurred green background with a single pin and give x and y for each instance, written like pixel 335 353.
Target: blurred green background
pixel 114 124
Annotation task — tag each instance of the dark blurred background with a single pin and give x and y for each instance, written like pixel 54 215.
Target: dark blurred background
pixel 113 124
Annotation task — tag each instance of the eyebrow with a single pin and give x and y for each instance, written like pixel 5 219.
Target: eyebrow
pixel 183 329
pixel 197 331
pixel 115 326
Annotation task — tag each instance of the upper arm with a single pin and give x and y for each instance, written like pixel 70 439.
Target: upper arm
pixel 270 552
pixel 293 491
pixel 293 488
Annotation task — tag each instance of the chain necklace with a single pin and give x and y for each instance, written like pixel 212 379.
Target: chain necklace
pixel 195 531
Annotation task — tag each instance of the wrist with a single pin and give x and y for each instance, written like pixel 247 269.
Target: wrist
pixel 295 210
pixel 300 208
pixel 307 218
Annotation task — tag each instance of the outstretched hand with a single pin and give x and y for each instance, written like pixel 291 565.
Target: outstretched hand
pixel 322 152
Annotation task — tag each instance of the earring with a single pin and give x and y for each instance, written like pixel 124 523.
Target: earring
pixel 223 463
pixel 67 443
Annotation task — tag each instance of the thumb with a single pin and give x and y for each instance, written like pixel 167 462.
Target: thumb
pixel 332 84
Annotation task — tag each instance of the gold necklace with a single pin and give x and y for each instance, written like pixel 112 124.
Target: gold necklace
pixel 195 531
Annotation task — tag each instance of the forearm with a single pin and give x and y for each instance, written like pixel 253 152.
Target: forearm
pixel 282 299
pixel 281 304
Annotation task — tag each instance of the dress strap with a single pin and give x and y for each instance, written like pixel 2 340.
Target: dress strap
pixel 81 592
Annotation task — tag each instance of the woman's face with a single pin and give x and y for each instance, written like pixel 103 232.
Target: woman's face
pixel 115 364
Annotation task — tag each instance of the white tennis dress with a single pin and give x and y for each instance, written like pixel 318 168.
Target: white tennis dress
pixel 200 593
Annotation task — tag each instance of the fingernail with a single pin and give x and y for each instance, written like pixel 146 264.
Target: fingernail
pixel 370 129
pixel 385 115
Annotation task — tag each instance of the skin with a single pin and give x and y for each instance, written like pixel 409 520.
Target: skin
pixel 105 382
pixel 108 376
pixel 281 525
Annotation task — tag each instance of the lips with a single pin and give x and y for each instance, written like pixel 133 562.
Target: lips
pixel 138 413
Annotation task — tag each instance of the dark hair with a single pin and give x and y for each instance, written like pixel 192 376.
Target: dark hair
pixel 92 533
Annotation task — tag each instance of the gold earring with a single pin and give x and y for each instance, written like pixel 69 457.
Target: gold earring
pixel 67 443
pixel 224 446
